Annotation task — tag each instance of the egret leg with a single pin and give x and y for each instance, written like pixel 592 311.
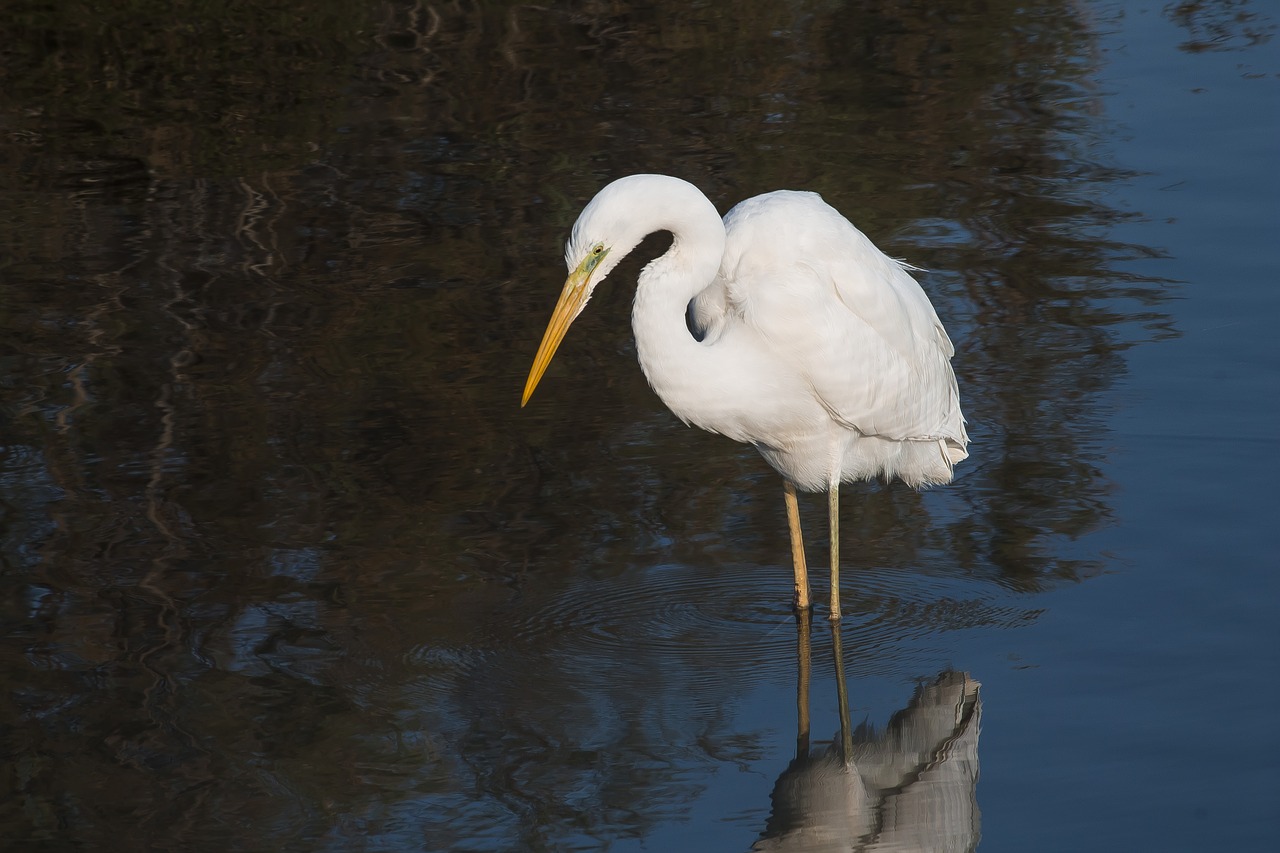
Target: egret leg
pixel 797 547
pixel 833 510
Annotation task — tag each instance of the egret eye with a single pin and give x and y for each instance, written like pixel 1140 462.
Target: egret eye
pixel 597 248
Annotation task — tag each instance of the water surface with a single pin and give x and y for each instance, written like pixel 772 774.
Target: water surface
pixel 284 566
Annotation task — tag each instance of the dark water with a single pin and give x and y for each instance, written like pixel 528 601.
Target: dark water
pixel 284 567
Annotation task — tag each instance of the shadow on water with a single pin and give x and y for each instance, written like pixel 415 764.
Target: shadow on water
pixel 283 563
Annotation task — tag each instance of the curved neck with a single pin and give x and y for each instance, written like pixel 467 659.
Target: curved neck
pixel 679 367
pixel 688 375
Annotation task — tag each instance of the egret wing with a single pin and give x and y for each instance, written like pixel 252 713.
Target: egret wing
pixel 849 319
pixel 708 312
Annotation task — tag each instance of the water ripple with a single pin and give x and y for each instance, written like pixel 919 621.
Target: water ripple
pixel 728 615
pixel 736 620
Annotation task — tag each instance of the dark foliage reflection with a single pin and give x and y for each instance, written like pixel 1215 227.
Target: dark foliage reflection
pixel 283 565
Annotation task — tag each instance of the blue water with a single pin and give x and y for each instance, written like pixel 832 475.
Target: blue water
pixel 1138 710
pixel 283 565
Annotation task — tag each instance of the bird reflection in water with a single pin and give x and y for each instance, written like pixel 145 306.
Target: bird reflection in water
pixel 910 787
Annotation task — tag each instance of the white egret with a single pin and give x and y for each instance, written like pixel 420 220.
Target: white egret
pixel 781 326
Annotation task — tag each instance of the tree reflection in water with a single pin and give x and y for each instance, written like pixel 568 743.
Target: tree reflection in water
pixel 283 563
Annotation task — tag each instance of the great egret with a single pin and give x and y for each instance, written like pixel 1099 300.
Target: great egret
pixel 781 326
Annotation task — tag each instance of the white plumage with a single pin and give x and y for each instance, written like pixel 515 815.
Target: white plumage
pixel 781 326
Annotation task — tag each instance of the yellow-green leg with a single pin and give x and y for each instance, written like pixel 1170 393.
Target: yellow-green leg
pixel 833 510
pixel 797 547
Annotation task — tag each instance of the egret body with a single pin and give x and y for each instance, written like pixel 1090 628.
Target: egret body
pixel 781 326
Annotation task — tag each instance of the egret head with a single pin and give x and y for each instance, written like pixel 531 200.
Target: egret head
pixel 603 235
pixel 621 215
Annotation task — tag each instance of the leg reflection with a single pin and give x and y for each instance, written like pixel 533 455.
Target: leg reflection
pixel 804 663
pixel 842 698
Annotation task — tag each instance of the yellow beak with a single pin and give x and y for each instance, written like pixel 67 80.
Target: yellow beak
pixel 572 300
